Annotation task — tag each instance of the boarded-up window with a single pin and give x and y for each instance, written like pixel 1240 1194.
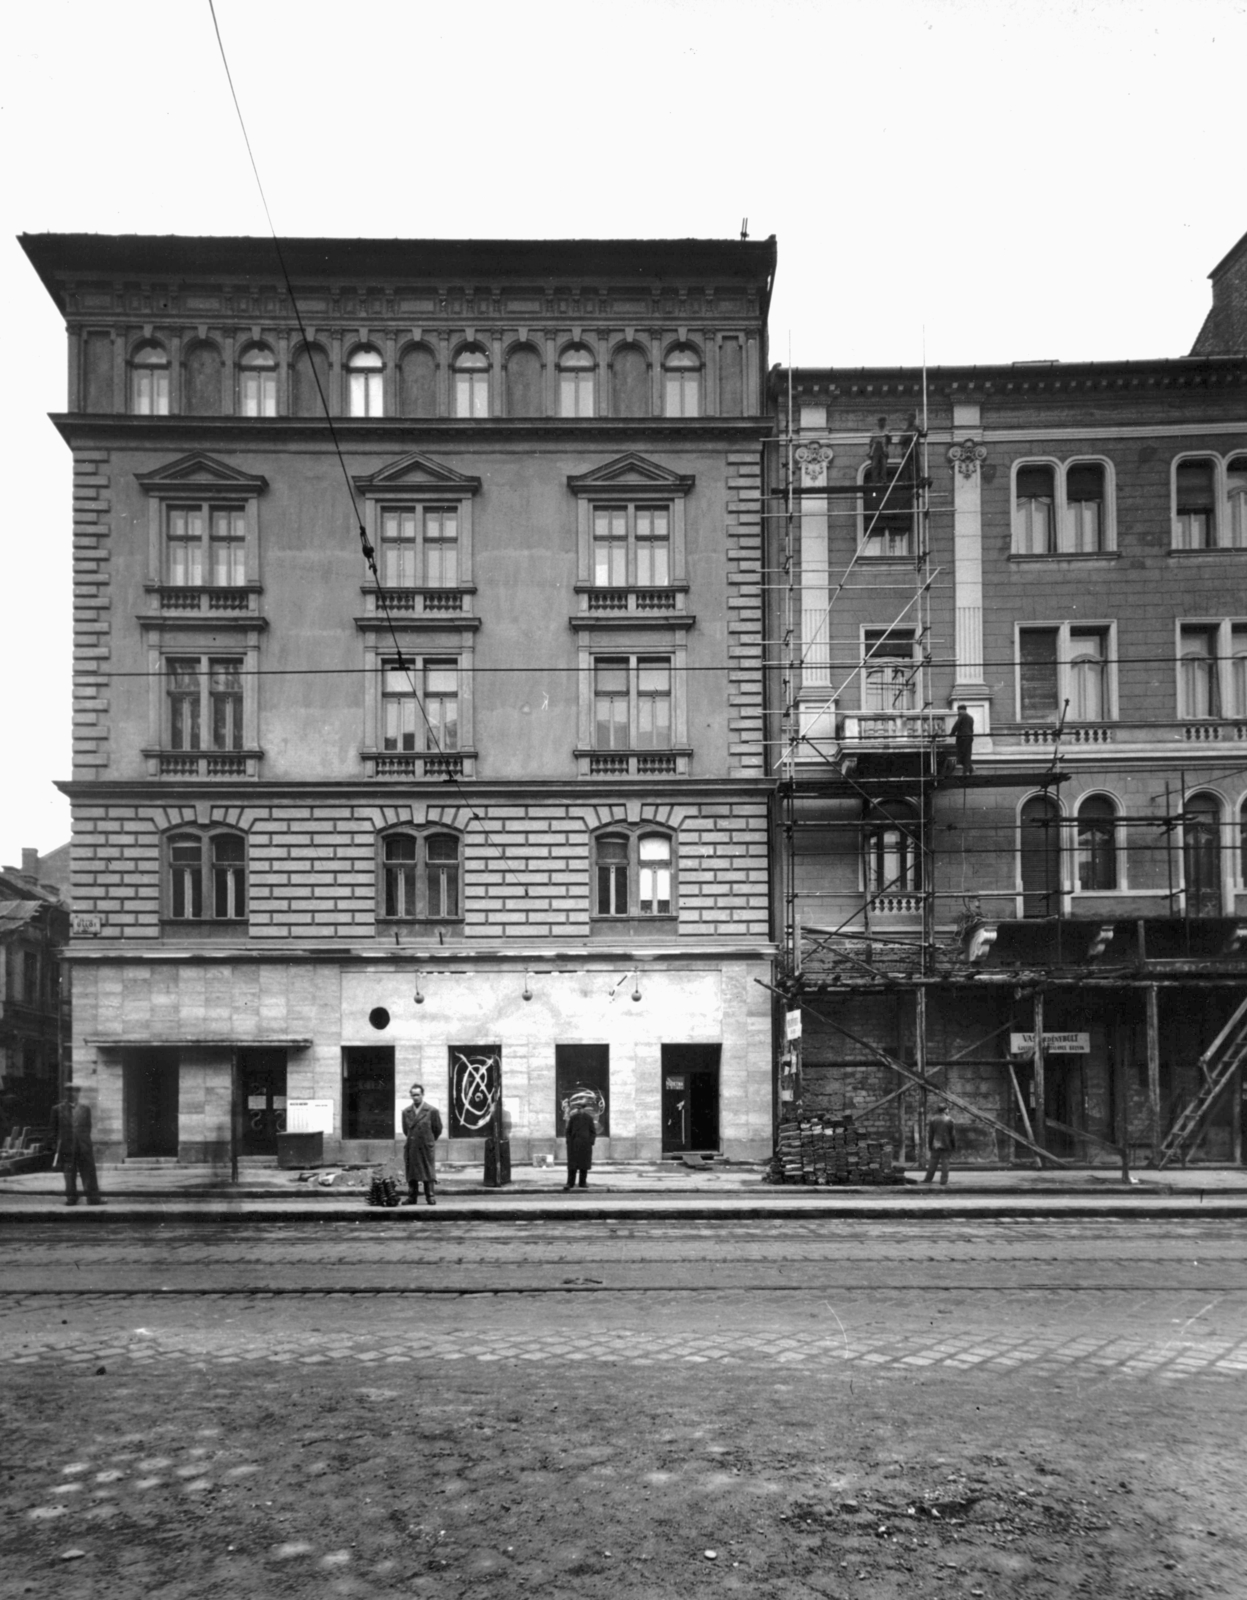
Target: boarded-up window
pixel 97 372
pixel 731 378
pixel 524 382
pixel 203 381
pixel 417 383
pixel 630 382
pixel 305 400
pixel 1038 675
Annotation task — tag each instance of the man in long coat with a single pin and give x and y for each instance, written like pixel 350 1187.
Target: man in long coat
pixel 422 1127
pixel 581 1135
pixel 75 1154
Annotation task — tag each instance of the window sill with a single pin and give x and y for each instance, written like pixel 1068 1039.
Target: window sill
pixel 1211 550
pixel 1078 557
pixel 197 929
pixel 633 927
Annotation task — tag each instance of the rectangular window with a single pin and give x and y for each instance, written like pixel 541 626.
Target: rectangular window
pixel 223 564
pixel 369 1107
pixel 229 876
pixel 441 704
pixel 225 698
pixel 1198 685
pixel 1088 668
pixel 612 875
pixel 441 547
pixel 186 877
pixel 398 549
pixel 610 703
pixel 654 876
pixel 1038 678
pixel 184 694
pixel 228 541
pixel 399 712
pixel 185 546
pixel 653 703
pixel 632 546
pixel 420 547
pixel 890 672
pixel 887 518
pixel 399 852
pixel 442 874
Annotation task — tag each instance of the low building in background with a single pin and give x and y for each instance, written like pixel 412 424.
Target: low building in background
pixel 34 928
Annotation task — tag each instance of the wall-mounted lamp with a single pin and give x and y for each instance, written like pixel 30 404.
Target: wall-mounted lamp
pixel 528 992
pixel 418 997
pixel 636 985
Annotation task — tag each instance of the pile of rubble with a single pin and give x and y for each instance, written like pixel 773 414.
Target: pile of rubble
pixel 827 1150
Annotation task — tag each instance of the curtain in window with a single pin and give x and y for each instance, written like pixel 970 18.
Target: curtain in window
pixel 1097 844
pixel 1195 489
pixel 442 875
pixel 1198 674
pixel 1087 678
pixel 654 876
pixel 1034 511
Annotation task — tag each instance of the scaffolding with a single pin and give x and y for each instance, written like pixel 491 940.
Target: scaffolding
pixel 889 759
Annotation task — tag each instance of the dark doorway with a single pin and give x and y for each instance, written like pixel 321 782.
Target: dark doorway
pixel 150 1102
pixel 1063 1093
pixel 690 1097
pixel 368 1106
pixel 261 1101
pixel 582 1071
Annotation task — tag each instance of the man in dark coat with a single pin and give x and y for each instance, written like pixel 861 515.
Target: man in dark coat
pixel 963 733
pixel 581 1135
pixel 422 1127
pixel 75 1155
pixel 941 1142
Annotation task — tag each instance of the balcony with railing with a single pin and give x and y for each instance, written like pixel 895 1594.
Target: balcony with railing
pixel 173 600
pixel 204 764
pixel 416 602
pixel 633 763
pixel 632 600
pixel 419 765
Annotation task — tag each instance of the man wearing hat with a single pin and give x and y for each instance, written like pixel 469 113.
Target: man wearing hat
pixel 71 1128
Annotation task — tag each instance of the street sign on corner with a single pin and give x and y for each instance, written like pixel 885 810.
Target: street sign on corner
pixel 792 1025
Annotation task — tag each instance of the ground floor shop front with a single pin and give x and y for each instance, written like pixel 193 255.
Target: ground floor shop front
pixel 199 1059
pixel 1117 1064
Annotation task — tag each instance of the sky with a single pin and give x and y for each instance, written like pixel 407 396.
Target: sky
pixel 982 180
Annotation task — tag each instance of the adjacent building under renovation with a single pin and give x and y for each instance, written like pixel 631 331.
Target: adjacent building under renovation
pixel 1047 920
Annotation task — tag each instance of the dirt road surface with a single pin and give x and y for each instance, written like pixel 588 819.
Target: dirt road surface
pixel 927 1410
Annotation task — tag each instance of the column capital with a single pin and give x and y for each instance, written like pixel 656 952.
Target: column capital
pixel 967 456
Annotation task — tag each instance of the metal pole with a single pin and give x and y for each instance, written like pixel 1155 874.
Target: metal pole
pixel 1153 1068
pixel 1041 1087
pixel 233 1116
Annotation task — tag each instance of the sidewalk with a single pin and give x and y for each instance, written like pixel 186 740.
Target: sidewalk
pixel 153 1192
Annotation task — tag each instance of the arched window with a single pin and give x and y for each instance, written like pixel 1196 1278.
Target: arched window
pixel 149 381
pixel 1201 855
pixel 257 382
pixel 1236 495
pixel 523 382
pixel 630 396
pixel 634 874
pixel 682 382
pixel 1195 504
pixel 1035 510
pixel 577 389
pixel 310 364
pixel 202 393
pixel 364 373
pixel 893 848
pixel 417 382
pixel 1097 844
pixel 419 877
pixel 471 383
pixel 1039 849
pixel 206 875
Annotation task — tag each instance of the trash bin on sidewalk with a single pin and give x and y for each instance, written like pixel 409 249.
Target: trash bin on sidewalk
pixel 300 1149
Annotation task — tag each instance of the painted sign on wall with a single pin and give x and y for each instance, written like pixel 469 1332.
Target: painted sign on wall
pixel 475 1085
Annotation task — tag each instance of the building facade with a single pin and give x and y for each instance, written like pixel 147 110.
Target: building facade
pixel 421 740
pixel 1062 551
pixel 34 926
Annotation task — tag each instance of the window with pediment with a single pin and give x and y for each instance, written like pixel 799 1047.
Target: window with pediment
pixel 418 516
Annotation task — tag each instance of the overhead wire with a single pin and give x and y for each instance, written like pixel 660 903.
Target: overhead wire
pixel 366 547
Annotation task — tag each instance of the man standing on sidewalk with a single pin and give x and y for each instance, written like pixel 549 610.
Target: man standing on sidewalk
pixel 941 1142
pixel 581 1136
pixel 71 1128
pixel 422 1127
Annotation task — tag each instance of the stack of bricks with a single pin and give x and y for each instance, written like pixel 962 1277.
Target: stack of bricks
pixel 825 1150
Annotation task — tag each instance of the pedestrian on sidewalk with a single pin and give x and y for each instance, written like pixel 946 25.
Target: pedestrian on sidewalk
pixel 75 1154
pixel 941 1142
pixel 422 1127
pixel 581 1135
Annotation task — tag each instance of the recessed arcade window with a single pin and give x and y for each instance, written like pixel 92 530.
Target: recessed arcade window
pixel 364 374
pixel 257 382
pixel 149 380
pixel 577 386
pixel 682 381
pixel 471 383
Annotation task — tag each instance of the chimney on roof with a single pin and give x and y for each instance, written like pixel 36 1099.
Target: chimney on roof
pixel 30 862
pixel 1224 332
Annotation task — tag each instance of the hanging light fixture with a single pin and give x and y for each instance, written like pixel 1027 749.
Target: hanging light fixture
pixel 528 992
pixel 418 997
pixel 636 985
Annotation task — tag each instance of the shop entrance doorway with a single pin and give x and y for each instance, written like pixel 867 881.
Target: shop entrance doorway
pixel 690 1098
pixel 261 1101
pixel 149 1091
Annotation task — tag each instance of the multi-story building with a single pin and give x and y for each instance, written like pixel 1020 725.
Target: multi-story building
pixel 489 807
pixel 1062 550
pixel 34 925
